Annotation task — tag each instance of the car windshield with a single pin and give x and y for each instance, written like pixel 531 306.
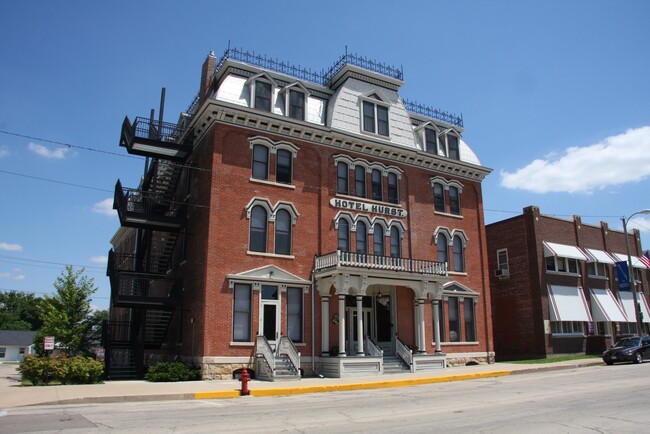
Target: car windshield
pixel 628 342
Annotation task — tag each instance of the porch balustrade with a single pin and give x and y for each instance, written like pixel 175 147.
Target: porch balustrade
pixel 340 259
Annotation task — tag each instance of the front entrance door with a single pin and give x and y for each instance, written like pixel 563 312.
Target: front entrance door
pixel 384 324
pixel 269 324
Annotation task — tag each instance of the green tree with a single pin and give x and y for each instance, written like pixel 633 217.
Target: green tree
pixel 67 314
pixel 19 311
pixel 97 319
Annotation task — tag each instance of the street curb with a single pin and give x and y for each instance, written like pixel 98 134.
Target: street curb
pixel 357 386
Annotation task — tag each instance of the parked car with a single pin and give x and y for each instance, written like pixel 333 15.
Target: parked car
pixel 633 349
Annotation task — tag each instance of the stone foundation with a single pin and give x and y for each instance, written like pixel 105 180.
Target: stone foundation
pixel 221 371
pixel 484 359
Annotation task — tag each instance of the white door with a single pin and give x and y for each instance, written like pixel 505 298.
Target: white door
pixel 269 324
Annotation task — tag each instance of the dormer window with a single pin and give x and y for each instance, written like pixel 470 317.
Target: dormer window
pixel 262 95
pixel 431 140
pixel 449 146
pixel 296 105
pixel 375 116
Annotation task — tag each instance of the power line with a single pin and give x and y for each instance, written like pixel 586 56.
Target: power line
pixel 47 262
pixel 101 151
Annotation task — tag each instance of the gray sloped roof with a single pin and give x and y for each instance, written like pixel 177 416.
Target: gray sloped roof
pixel 16 338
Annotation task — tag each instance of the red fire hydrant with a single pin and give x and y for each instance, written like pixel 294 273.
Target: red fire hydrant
pixel 244 378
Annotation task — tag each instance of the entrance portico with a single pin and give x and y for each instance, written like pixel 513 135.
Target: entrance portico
pixel 367 289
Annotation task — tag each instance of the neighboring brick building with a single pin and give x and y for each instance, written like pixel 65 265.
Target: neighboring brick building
pixel 289 211
pixel 555 288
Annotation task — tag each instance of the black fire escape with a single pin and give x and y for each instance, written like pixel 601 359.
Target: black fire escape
pixel 143 287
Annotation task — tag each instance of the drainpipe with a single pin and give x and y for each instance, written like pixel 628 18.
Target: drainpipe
pixel 313 334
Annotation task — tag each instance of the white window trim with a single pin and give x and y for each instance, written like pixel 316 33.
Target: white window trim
pixel 286 92
pixel 383 102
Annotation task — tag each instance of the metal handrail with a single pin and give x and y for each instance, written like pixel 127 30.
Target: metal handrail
pixel 431 112
pixel 361 260
pixel 263 349
pixel 286 346
pixel 403 352
pixel 371 348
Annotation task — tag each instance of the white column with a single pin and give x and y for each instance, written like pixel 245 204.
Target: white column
pixel 422 346
pixel 325 325
pixel 416 315
pixel 360 326
pixel 342 325
pixel 435 305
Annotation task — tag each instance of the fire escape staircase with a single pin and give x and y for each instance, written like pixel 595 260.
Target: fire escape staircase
pixel 142 282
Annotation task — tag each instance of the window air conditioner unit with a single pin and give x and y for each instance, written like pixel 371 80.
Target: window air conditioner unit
pixel 501 272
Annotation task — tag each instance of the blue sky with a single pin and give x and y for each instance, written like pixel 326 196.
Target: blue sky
pixel 555 97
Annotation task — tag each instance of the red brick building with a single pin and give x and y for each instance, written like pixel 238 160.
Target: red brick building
pixel 297 221
pixel 555 288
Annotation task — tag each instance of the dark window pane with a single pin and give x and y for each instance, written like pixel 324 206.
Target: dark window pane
pixel 441 245
pixel 360 181
pixel 296 105
pixel 344 236
pixel 283 233
pixel 454 320
pixel 379 241
pixel 263 96
pixel 439 197
pixel 470 328
pixel 283 170
pixel 368 117
pixel 362 238
pixel 431 141
pixel 269 292
pixel 376 185
pixel 260 162
pixel 242 313
pixel 294 314
pixel 393 190
pixel 382 120
pixel 395 245
pixel 454 201
pixel 452 144
pixel 459 256
pixel 258 229
pixel 342 178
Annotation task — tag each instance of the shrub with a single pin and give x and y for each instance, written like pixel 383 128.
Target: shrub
pixel 66 370
pixel 172 371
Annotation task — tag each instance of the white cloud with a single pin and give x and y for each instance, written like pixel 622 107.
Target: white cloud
pixel 56 154
pixel 99 259
pixel 640 222
pixel 4 151
pixel 12 276
pixel 9 247
pixel 105 207
pixel 615 160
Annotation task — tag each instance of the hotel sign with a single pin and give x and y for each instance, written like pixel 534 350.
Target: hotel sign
pixel 353 205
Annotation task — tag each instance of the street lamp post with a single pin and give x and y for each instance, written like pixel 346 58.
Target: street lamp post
pixel 631 270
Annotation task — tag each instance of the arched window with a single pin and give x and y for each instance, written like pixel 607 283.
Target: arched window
pixel 377 178
pixel 360 181
pixel 283 232
pixel 344 236
pixel 258 229
pixel 379 241
pixel 283 166
pixel 393 190
pixel 439 197
pixel 395 245
pixel 441 242
pixel 454 200
pixel 260 162
pixel 459 254
pixel 362 238
pixel 342 173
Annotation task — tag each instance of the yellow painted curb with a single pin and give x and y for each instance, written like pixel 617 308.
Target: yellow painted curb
pixel 220 394
pixel 351 386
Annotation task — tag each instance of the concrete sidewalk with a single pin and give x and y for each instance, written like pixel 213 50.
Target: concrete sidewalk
pixel 12 394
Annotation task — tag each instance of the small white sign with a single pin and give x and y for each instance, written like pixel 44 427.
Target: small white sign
pixel 49 343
